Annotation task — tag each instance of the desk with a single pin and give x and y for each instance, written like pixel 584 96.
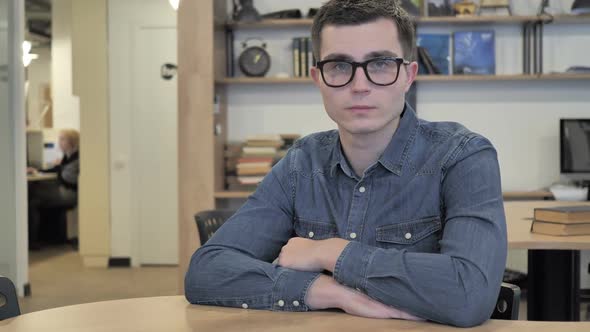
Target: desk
pixel 553 263
pixel 527 195
pixel 173 313
pixel 41 177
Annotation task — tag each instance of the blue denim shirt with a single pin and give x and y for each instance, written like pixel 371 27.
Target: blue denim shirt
pixel 426 224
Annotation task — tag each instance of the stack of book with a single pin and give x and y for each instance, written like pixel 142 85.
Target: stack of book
pixel 562 220
pixel 303 58
pixel 258 156
pixel 247 164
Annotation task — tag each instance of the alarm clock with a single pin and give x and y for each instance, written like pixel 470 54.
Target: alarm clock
pixel 254 60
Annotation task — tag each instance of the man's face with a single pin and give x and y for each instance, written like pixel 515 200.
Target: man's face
pixel 361 107
pixel 64 143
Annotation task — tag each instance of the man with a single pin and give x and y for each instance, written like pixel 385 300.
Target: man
pixel 388 217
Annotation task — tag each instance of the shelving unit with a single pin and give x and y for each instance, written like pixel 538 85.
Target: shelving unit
pixel 291 23
pixel 421 78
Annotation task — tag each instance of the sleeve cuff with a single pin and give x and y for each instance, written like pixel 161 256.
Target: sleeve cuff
pixel 290 289
pixel 351 266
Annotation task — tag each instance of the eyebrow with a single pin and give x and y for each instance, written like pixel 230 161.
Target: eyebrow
pixel 375 54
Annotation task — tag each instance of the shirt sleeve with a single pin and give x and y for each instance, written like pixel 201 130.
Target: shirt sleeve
pixel 460 285
pixel 234 268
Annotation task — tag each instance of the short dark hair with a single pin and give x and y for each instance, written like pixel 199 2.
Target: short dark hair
pixel 355 12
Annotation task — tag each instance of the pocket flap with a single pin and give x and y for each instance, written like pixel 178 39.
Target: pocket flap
pixel 315 230
pixel 408 232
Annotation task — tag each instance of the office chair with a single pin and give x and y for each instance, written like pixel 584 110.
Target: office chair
pixel 508 303
pixel 209 221
pixel 8 301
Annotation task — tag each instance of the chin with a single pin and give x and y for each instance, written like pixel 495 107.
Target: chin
pixel 361 130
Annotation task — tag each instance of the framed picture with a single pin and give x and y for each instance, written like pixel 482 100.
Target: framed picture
pixel 413 7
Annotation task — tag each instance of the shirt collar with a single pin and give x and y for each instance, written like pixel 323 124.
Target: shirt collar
pixel 396 152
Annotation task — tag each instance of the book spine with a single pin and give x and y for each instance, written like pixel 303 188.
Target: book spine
pixel 296 63
pixel 306 56
pixel 301 57
pixel 310 62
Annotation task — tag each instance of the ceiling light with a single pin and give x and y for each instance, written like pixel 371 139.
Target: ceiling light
pixel 174 4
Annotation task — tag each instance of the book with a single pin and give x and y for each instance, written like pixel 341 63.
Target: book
pixel 274 144
pixel 296 58
pixel 438 48
pixel 560 229
pixel 255 160
pixel 250 180
pixel 427 66
pixel 304 57
pixel 564 214
pixel 250 165
pixel 474 53
pixel 310 57
pixel 261 170
pixel 259 151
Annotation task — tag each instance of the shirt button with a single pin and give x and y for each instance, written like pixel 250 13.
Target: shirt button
pixel 353 235
pixel 296 303
pixel 408 236
pixel 362 189
pixel 245 305
pixel 281 303
pixel 310 234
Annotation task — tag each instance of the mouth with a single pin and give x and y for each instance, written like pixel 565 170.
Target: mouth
pixel 360 108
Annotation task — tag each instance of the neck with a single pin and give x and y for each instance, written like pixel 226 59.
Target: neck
pixel 363 150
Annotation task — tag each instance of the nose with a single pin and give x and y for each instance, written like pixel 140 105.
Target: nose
pixel 360 82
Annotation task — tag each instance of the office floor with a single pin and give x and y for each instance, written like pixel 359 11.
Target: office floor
pixel 58 279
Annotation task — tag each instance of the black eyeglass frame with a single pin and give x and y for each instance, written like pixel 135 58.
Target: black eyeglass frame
pixel 364 64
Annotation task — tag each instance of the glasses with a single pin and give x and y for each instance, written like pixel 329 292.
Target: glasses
pixel 381 71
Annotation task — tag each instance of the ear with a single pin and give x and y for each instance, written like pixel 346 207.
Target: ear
pixel 315 75
pixel 411 72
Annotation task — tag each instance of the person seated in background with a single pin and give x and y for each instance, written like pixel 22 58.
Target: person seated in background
pixel 61 193
pixel 390 216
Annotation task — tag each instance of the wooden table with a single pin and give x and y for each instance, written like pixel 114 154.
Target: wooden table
pixel 174 313
pixel 527 195
pixel 553 263
pixel 36 177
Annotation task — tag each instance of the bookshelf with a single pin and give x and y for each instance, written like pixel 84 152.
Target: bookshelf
pixel 421 78
pixel 291 23
pixel 202 129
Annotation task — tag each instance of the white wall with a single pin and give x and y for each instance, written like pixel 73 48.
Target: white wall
pixel 66 106
pixel 125 16
pixel 38 74
pixel 13 214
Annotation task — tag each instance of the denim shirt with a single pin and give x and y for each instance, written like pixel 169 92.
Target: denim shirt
pixel 426 224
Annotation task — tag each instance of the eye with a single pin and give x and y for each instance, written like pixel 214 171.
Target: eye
pixel 381 64
pixel 338 67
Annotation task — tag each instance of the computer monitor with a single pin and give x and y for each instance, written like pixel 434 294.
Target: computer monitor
pixel 575 145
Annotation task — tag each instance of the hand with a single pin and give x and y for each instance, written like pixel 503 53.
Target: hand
pixel 301 254
pixel 325 292
pixel 310 255
pixel 359 304
pixel 31 170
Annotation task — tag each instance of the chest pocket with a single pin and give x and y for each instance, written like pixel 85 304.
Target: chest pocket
pixel 421 235
pixel 315 230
